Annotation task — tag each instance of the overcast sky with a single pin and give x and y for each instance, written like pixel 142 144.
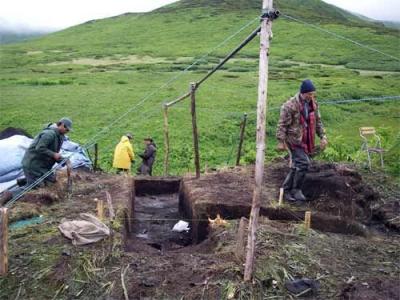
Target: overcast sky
pixel 59 14
pixel 376 9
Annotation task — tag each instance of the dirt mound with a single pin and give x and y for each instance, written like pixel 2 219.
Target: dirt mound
pixel 372 289
pixel 338 190
pixel 41 197
pixel 339 199
pixel 11 131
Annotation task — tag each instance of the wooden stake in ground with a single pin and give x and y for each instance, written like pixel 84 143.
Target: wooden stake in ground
pixel 100 209
pixel 307 220
pixel 242 130
pixel 260 155
pixel 96 156
pixel 166 140
pixel 110 206
pixel 280 202
pixel 69 178
pixel 194 125
pixel 3 241
pixel 241 239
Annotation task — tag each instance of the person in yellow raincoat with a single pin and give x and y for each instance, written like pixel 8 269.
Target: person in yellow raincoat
pixel 123 154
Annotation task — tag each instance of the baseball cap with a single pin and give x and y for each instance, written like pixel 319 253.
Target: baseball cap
pixel 67 123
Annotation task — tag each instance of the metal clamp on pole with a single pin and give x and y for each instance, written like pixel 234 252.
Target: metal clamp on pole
pixel 270 14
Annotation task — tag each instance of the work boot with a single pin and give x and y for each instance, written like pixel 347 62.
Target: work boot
pixel 287 196
pixel 288 183
pixel 287 186
pixel 298 180
pixel 298 195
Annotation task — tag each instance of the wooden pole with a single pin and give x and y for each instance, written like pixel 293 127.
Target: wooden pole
pixel 100 209
pixel 260 154
pixel 3 241
pixel 241 239
pixel 166 140
pixel 307 220
pixel 195 132
pixel 96 156
pixel 177 100
pixel 69 178
pixel 242 130
pixel 229 56
pixel 281 191
pixel 111 215
pixel 110 206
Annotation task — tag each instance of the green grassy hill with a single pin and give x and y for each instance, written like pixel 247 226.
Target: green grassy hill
pixel 96 71
pixel 7 37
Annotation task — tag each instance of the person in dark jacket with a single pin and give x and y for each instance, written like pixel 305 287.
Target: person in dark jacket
pixel 42 154
pixel 148 157
pixel 44 150
pixel 298 124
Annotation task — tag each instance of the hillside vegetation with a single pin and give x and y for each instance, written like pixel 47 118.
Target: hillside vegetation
pixel 96 71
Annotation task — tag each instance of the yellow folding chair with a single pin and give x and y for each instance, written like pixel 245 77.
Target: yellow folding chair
pixel 368 135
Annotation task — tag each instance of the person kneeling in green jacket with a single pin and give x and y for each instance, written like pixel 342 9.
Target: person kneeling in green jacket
pixel 41 155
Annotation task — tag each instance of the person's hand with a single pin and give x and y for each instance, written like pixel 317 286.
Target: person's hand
pixel 323 143
pixel 281 147
pixel 57 156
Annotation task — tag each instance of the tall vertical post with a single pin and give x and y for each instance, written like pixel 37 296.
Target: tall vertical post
pixel 166 140
pixel 280 201
pixel 307 220
pixel 194 125
pixel 3 241
pixel 96 156
pixel 69 178
pixel 100 209
pixel 242 131
pixel 266 24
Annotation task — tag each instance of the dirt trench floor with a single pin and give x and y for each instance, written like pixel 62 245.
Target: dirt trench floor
pixel 44 264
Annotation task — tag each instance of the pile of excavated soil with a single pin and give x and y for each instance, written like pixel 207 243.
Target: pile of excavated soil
pixel 86 189
pixel 372 289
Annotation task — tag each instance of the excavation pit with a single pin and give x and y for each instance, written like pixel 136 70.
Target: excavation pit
pixel 154 211
pixel 339 201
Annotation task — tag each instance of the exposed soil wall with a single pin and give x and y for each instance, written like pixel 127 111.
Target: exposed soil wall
pixel 154 210
pixel 338 198
pixel 145 185
pixel 372 289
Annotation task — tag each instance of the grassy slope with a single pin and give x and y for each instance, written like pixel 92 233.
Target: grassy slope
pixel 35 89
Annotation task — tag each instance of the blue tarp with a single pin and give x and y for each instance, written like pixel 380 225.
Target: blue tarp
pixel 76 154
pixel 12 151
